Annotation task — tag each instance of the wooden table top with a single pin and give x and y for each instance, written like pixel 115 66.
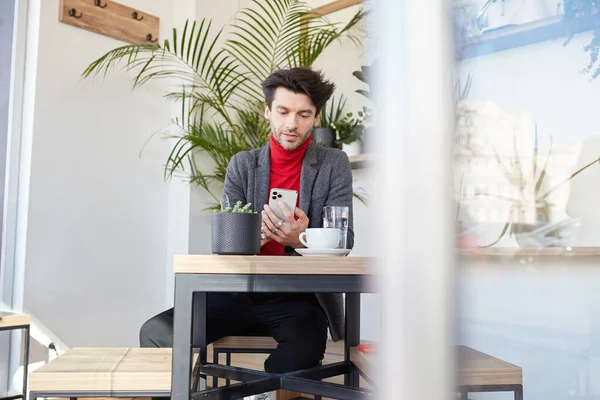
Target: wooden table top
pixel 276 265
pixel 8 320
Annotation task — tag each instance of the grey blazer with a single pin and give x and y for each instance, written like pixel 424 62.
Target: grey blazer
pixel 326 180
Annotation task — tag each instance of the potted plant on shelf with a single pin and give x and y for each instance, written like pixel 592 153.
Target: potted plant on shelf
pixel 236 230
pixel 349 131
pixel 324 134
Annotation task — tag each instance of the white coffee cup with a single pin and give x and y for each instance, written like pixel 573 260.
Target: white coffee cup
pixel 321 238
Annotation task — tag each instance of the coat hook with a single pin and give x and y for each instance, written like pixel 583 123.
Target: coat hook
pixel 97 4
pixel 134 15
pixel 73 13
pixel 149 38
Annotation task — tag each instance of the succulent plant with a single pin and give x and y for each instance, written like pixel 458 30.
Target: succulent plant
pixel 239 207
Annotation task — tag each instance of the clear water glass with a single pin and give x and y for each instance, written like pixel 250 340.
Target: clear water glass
pixel 337 217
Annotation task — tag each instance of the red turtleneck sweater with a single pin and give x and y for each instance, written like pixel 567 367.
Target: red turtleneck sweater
pixel 286 168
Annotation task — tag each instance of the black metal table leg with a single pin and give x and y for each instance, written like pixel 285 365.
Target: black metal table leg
pixel 199 332
pixel 227 362
pixel 182 340
pixel 26 361
pixel 519 393
pixel 352 335
pixel 215 361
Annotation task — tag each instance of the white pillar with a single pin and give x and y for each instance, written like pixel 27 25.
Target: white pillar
pixel 411 212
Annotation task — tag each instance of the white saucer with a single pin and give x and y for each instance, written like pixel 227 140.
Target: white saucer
pixel 324 252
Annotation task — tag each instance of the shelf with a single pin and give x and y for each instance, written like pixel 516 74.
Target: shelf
pixel 360 161
pixel 475 252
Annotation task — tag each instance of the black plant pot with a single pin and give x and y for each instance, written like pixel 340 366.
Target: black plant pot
pixel 236 233
pixel 324 136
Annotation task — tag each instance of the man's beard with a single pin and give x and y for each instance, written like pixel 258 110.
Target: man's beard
pixel 279 139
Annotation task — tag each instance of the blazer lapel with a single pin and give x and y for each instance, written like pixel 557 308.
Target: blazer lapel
pixel 262 178
pixel 307 177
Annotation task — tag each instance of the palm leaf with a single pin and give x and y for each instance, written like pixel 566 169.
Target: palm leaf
pixel 517 165
pixel 195 62
pixel 573 175
pixel 507 224
pixel 256 35
pixel 334 112
pixel 361 198
pixel 317 37
pixel 540 179
pixel 252 125
pixel 509 175
pixel 534 160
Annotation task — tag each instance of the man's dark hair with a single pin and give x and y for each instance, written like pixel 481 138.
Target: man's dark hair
pixel 299 80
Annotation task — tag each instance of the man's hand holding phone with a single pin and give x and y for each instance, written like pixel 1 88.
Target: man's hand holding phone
pixel 284 232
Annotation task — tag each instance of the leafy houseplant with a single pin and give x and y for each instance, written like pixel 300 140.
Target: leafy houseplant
pixel 236 230
pixel 350 128
pixel 324 134
pixel 363 76
pixel 529 186
pixel 575 10
pixel 219 86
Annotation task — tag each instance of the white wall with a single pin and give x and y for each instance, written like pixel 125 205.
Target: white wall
pixel 96 251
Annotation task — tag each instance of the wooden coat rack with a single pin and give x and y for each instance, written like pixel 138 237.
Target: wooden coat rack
pixel 111 19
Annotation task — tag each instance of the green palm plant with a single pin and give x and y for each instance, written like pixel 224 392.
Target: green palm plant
pixel 219 85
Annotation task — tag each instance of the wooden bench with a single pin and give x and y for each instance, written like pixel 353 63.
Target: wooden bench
pixel 119 372
pixel 477 372
pixel 104 372
pixel 12 321
pixel 480 372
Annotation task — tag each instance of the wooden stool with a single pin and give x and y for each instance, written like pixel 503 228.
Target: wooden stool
pixel 10 321
pixel 480 372
pixel 105 372
pixel 241 344
pixel 477 372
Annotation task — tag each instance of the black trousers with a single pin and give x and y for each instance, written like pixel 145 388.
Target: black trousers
pixel 296 321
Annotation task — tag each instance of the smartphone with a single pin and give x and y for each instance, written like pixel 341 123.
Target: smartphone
pixel 289 197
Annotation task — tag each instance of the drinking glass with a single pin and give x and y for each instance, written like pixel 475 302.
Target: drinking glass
pixel 337 217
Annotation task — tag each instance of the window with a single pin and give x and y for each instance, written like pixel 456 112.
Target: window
pixel 8 87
